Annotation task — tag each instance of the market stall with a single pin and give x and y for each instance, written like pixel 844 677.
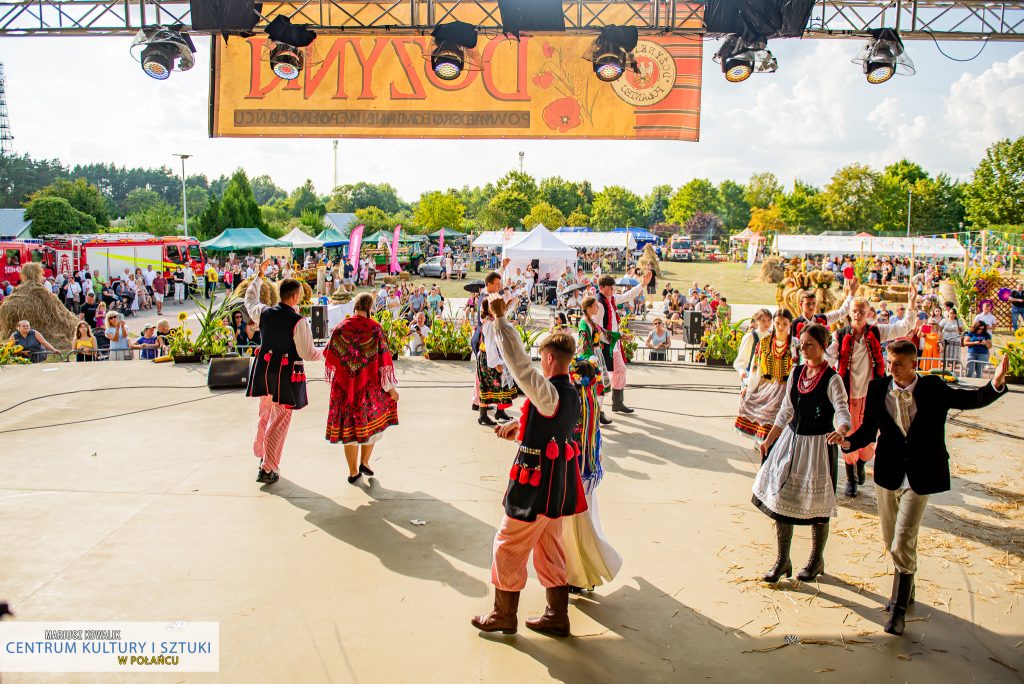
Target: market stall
pixel 840 245
pixel 544 249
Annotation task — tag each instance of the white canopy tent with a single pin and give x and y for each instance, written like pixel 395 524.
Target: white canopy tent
pixel 540 244
pixel 301 240
pixel 839 245
pixel 492 238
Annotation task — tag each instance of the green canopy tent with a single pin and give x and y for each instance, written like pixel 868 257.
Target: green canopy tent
pixel 332 235
pixel 242 240
pixel 386 235
pixel 450 236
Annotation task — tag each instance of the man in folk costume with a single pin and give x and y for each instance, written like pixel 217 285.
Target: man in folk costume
pixel 858 351
pixel 608 318
pixel 278 377
pixel 907 414
pixel 544 484
pixel 808 304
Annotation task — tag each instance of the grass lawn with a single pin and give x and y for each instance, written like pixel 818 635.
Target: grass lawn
pixel 728 278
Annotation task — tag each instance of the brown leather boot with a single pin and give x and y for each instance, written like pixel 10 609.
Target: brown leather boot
pixel 503 618
pixel 555 620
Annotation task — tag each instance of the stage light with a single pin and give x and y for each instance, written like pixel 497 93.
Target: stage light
pixel 612 53
pixel 448 60
pixel 883 56
pixel 162 50
pixel 740 58
pixel 286 44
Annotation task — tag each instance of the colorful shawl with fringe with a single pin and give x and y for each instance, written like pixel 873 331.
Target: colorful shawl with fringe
pixel 357 355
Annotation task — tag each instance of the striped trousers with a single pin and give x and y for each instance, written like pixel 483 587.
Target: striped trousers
pixel 513 544
pixel 271 432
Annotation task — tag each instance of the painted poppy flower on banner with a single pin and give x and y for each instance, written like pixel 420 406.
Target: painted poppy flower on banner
pixel 544 79
pixel 562 115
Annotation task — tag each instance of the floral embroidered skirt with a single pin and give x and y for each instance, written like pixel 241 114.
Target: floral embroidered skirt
pixel 492 389
pixel 373 412
pixel 759 407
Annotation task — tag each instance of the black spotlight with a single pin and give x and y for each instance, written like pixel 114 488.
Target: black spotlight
pixel 883 56
pixel 162 50
pixel 450 44
pixel 286 56
pixel 740 58
pixel 612 53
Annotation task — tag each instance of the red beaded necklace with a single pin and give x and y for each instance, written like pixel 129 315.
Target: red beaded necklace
pixel 805 385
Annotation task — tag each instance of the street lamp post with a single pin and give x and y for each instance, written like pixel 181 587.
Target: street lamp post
pixel 184 199
pixel 521 155
pixel 910 201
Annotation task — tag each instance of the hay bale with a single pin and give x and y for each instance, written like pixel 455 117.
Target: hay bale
pixel 33 302
pixel 390 280
pixel 268 292
pixel 404 276
pixel 772 270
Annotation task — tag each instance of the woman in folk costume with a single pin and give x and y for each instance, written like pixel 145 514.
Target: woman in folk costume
pixel 589 559
pixel 760 327
pixel 361 376
pixel 497 387
pixel 595 347
pixel 773 360
pixel 796 484
pixel 858 349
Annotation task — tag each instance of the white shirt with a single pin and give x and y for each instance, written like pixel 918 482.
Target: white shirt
pixel 302 335
pixel 148 277
pixel 627 296
pixel 860 359
pixel 989 319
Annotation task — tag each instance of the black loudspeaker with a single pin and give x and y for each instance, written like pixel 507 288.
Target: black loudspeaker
pixel 229 372
pixel 318 314
pixel 693 326
pixel 535 264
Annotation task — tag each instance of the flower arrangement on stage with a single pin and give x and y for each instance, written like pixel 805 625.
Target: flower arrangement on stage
pixel 722 343
pixel 396 331
pixel 627 339
pixel 1015 351
pixel 971 285
pixel 448 339
pixel 215 337
pixel 10 354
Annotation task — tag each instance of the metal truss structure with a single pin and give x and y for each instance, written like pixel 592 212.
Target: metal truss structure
pixel 914 19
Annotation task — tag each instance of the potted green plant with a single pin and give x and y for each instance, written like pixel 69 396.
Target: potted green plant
pixel 181 346
pixel 1015 351
pixel 528 337
pixel 627 339
pixel 396 330
pixel 11 354
pixel 722 343
pixel 448 340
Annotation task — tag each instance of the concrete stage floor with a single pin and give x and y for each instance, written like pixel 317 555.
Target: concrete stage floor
pixel 127 511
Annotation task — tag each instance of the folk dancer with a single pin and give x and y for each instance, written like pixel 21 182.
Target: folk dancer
pixel 361 377
pixel 858 350
pixel 593 344
pixel 796 484
pixel 760 327
pixel 774 357
pixel 278 376
pixel 808 315
pixel 496 384
pixel 608 318
pixel 907 413
pixel 544 483
pixel 590 559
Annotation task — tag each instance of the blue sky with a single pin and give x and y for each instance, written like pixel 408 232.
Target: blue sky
pixel 85 100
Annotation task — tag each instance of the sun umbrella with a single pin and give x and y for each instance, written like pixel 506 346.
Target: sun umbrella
pixel 573 288
pixel 473 286
pixel 628 282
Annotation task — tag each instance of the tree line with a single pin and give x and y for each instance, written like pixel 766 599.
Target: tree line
pixel 97 197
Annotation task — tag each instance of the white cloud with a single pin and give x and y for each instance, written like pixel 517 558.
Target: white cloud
pixel 984 108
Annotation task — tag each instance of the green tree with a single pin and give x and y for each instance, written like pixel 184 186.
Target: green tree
pixel 995 194
pixel 81 195
pixel 20 176
pixel 656 204
pixel 849 200
pixel 697 195
pixel 578 219
pixel 208 225
pixel 278 218
pixel 238 208
pixel 198 200
pixel 474 199
pixel 566 196
pixel 157 219
pixel 801 209
pixel 507 208
pixel 546 214
pixel 767 221
pixel 139 199
pixel 264 190
pixel 304 198
pixel 732 205
pixel 761 190
pixel 55 215
pixel 616 207
pixel 515 181
pixel 374 218
pixel 350 198
pixel 437 210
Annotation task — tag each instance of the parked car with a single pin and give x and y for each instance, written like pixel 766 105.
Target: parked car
pixel 431 268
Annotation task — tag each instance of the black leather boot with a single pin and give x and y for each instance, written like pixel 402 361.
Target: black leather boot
pixel 619 403
pixel 851 481
pixel 897 620
pixel 783 565
pixel 502 416
pixel 861 475
pixel 485 419
pixel 895 587
pixel 816 563
pixel 605 420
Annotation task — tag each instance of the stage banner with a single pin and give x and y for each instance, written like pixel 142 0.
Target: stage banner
pixel 382 86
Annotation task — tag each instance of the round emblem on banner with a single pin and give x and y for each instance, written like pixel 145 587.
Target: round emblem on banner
pixel 655 80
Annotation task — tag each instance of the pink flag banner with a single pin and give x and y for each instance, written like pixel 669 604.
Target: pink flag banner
pixel 355 244
pixel 394 267
pixel 440 248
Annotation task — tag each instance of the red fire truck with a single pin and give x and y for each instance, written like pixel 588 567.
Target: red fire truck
pixel 112 253
pixel 16 254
